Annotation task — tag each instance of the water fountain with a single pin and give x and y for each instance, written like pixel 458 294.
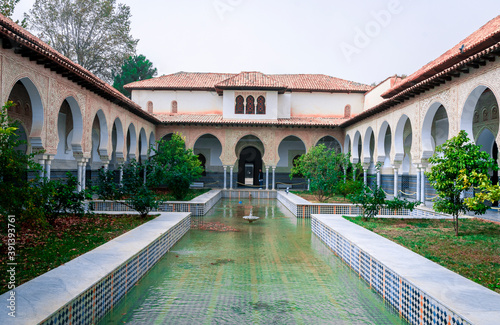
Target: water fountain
pixel 250 217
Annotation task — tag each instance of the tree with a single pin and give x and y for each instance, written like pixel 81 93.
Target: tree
pixel 373 200
pixel 175 166
pixel 92 33
pixel 455 157
pixel 135 68
pixel 324 168
pixel 7 9
pixel 138 194
pixel 15 187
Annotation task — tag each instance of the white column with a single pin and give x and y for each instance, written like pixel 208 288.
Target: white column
pixel 365 176
pixel 274 177
pixel 231 177
pixel 308 184
pixel 144 171
pixel 422 184
pixel 353 173
pixel 42 171
pixel 121 174
pixel 47 168
pixel 396 187
pixel 267 177
pixel 225 177
pixel 79 176
pixel 418 184
pixel 84 173
pixel 378 177
pixel 345 174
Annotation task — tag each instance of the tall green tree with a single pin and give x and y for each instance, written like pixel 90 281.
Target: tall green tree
pixel 92 33
pixel 175 166
pixel 7 9
pixel 456 157
pixel 324 168
pixel 135 68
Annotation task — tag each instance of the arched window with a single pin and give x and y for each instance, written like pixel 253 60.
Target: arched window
pixel 347 111
pixel 150 107
pixel 239 108
pixel 261 105
pixel 250 105
pixel 174 107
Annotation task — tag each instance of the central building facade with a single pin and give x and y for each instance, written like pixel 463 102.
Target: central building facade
pixel 241 124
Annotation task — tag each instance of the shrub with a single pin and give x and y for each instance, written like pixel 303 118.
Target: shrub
pixel 174 166
pixel 373 200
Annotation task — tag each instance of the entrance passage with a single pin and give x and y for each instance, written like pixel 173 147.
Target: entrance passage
pixel 250 163
pixel 272 271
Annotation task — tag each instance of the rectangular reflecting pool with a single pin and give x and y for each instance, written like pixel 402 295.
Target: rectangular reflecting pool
pixel 226 270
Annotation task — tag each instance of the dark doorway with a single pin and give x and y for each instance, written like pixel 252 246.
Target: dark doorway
pixel 249 156
pixel 203 162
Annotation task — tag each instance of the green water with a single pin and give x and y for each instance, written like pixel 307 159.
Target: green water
pixel 273 271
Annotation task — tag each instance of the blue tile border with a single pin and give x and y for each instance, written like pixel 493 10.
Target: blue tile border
pixel 83 290
pixel 421 291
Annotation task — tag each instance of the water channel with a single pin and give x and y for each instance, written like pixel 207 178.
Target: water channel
pixel 272 271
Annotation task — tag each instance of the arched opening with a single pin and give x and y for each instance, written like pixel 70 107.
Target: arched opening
pixel 290 148
pixel 356 148
pixel 249 150
pixel 249 166
pixel 402 145
pixel 96 139
pixel 152 143
pixel 347 144
pixel 117 142
pixel 435 129
pixel 209 147
pixel 143 146
pixel 369 147
pixel 21 112
pixel 330 143
pixel 29 110
pixel 174 107
pixel 131 142
pixel 384 145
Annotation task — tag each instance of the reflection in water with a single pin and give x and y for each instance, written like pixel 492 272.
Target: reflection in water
pixel 228 271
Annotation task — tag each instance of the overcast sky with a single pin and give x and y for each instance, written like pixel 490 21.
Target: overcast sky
pixel 364 41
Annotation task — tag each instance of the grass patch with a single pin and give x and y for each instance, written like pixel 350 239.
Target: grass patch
pixel 40 250
pixel 166 195
pixel 309 196
pixel 475 254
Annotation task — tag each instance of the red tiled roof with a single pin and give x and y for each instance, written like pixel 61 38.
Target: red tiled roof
pixel 182 81
pixel 250 80
pixel 319 82
pixel 210 81
pixel 217 119
pixel 481 39
pixel 32 46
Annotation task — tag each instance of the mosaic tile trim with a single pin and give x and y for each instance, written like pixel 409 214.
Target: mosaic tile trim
pixel 409 301
pixel 305 210
pixel 92 304
pixel 245 194
pixel 196 208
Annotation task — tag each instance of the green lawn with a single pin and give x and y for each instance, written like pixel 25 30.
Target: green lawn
pixel 475 254
pixel 39 250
